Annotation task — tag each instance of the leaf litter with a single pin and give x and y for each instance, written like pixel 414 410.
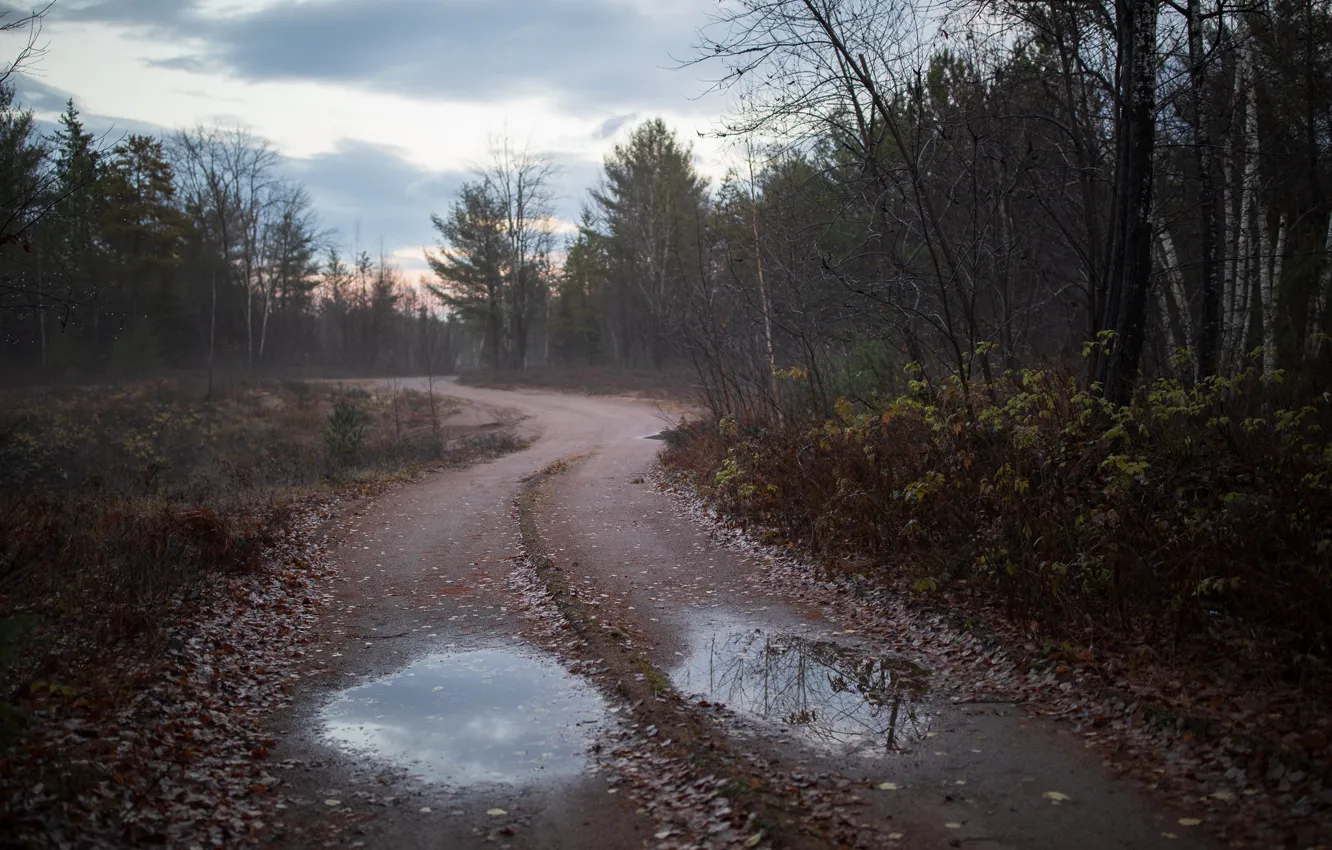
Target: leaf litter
pixel 167 744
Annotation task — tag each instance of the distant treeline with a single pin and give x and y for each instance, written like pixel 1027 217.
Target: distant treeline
pixel 1145 185
pixel 192 252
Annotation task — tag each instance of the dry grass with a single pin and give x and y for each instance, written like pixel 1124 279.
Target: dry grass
pixel 114 501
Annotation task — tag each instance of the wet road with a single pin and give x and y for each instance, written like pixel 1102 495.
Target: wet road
pixel 433 716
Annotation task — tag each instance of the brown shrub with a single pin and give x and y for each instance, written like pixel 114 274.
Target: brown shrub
pixel 1189 510
pixel 114 500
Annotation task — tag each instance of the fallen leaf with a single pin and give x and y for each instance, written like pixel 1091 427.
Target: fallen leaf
pixel 1169 835
pixel 889 786
pixel 496 812
pixel 1223 796
pixel 753 840
pixel 895 836
pixel 425 810
pixel 1056 796
pixel 1189 821
pixel 332 802
pixel 953 825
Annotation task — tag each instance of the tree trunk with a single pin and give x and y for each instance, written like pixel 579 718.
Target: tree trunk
pixel 1209 327
pixel 212 331
pixel 1131 248
pixel 268 304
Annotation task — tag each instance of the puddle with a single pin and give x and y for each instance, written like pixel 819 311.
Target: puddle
pixel 831 695
pixel 469 717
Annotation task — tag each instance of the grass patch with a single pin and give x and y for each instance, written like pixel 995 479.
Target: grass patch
pixel 115 501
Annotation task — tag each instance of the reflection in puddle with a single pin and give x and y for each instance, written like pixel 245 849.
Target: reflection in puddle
pixel 466 717
pixel 832 695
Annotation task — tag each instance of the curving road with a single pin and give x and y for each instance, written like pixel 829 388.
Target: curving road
pixel 430 575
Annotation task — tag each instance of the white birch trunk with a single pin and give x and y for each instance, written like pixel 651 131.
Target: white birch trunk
pixel 1316 329
pixel 1174 289
pixel 1251 218
pixel 1273 254
pixel 267 289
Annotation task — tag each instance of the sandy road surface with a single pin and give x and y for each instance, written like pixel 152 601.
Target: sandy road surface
pixel 383 758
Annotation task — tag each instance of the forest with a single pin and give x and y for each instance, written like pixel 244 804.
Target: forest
pixel 970 194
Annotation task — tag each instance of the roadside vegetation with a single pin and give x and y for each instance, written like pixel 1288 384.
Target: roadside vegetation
pixel 1170 559
pixel 1194 514
pixel 120 502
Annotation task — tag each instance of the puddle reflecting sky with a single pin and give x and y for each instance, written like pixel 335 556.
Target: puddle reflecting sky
pixel 467 717
pixel 830 694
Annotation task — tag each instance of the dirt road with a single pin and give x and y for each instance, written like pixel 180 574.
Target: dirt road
pixel 570 660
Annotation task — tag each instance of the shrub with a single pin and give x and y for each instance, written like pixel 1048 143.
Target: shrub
pixel 344 436
pixel 1191 508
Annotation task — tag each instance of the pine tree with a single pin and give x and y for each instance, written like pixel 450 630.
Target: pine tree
pixel 651 208
pixel 70 233
pixel 469 265
pixel 141 231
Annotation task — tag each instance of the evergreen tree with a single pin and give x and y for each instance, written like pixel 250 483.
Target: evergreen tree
pixel 470 265
pixel 141 231
pixel 651 206
pixel 576 321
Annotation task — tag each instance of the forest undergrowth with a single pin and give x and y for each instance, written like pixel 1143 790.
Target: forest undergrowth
pixel 119 503
pixel 1188 533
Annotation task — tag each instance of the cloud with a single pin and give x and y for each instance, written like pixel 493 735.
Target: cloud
pixel 376 187
pixel 356 185
pixel 48 101
pixel 39 96
pixel 614 124
pixel 192 64
pixel 607 53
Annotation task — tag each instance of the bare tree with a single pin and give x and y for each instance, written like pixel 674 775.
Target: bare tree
pixel 493 262
pixel 286 251
pixel 520 181
pixel 224 176
pixel 33 49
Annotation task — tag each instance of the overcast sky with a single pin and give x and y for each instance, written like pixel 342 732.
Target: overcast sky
pixel 383 107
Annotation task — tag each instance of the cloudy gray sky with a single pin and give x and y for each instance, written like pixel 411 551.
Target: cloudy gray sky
pixel 382 107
